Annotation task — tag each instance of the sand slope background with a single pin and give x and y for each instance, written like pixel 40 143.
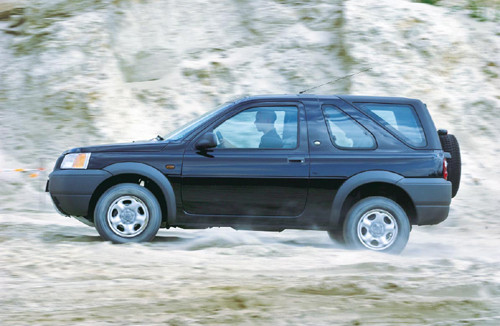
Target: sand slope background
pixel 85 72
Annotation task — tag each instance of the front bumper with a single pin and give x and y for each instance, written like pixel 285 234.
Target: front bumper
pixel 71 190
pixel 431 196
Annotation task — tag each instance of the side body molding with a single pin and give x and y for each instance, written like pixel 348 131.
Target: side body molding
pixel 354 182
pixel 153 174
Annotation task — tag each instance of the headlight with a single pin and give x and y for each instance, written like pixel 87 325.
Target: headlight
pixel 75 161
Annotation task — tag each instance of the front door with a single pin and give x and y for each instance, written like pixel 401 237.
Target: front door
pixel 259 168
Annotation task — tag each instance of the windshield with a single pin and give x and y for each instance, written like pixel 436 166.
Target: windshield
pixel 185 130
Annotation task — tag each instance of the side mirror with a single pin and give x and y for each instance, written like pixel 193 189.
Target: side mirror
pixel 206 141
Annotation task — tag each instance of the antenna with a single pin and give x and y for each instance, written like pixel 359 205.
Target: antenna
pixel 336 80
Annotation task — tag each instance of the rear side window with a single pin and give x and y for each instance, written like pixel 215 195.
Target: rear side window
pixel 400 119
pixel 345 132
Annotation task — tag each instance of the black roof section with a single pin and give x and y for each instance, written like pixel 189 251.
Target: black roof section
pixel 347 98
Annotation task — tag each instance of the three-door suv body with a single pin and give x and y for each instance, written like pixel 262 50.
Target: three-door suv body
pixel 365 169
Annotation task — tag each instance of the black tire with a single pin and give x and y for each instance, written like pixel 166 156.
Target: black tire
pixel 450 144
pixel 389 223
pixel 127 212
pixel 337 236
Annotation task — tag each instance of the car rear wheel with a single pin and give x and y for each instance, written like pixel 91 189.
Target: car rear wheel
pixel 377 223
pixel 127 213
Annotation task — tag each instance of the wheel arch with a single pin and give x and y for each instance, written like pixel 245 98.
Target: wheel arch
pixel 153 179
pixel 366 184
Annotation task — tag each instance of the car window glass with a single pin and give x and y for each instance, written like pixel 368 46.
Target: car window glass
pixel 193 125
pixel 345 132
pixel 260 127
pixel 400 119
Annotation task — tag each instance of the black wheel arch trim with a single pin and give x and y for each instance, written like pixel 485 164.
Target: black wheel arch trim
pixel 155 175
pixel 354 182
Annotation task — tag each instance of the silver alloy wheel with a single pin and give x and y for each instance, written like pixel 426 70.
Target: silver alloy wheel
pixel 377 229
pixel 127 216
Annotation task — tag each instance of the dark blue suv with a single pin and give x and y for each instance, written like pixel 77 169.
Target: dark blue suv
pixel 365 169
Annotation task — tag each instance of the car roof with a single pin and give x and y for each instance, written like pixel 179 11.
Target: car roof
pixel 347 98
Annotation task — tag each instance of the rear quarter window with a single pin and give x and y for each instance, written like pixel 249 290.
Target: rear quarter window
pixel 399 119
pixel 345 132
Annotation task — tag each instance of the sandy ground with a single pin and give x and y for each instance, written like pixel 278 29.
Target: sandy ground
pixel 56 271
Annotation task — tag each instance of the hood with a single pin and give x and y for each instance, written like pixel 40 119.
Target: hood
pixel 140 146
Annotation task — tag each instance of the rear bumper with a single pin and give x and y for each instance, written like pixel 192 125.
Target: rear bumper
pixel 71 190
pixel 431 197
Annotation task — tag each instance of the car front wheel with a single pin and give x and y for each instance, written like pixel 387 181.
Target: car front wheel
pixel 377 223
pixel 127 213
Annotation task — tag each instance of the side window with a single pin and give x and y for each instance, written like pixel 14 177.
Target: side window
pixel 260 127
pixel 400 119
pixel 345 132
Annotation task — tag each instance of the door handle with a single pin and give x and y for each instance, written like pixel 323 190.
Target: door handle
pixel 296 160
